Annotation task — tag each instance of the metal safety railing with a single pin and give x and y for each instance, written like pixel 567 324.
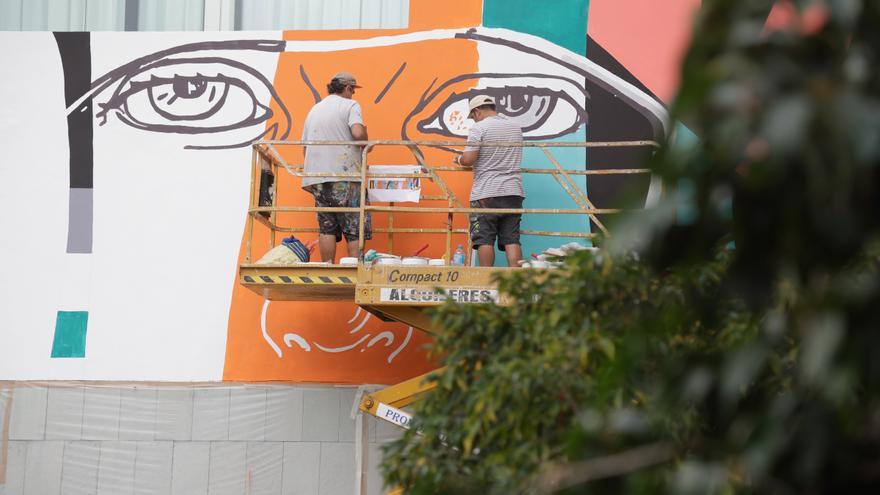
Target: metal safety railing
pixel 267 156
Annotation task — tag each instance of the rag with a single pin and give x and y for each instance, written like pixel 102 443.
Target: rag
pixel 298 248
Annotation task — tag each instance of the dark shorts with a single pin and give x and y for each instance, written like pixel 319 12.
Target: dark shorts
pixel 485 228
pixel 340 194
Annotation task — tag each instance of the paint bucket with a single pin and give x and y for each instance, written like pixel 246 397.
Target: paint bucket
pixel 415 261
pixel 437 262
pixel 348 260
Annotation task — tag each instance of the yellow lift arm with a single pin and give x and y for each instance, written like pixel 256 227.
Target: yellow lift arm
pixel 387 403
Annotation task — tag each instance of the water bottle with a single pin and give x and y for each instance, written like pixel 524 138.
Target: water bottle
pixel 458 257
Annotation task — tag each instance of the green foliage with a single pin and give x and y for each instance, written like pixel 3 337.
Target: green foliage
pixel 576 345
pixel 702 368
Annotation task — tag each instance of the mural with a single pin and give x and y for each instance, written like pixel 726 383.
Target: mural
pixel 138 145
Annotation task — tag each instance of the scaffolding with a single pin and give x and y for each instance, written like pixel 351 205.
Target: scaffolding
pixel 267 156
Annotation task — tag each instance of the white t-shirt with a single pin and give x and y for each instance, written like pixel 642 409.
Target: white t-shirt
pixel 331 120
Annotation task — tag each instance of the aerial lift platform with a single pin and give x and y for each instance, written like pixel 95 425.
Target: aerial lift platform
pixel 392 293
pixel 398 292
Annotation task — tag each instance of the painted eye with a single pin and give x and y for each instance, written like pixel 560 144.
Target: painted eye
pixel 183 98
pixel 528 101
pixel 196 96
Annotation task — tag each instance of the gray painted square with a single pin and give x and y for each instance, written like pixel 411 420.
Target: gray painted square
pixel 264 461
pixel 137 413
pixel 190 469
pixel 43 468
pixel 15 468
pixel 301 468
pixel 321 415
pixel 247 413
pixel 284 414
pixel 152 469
pixel 101 413
pixel 337 469
pixel 64 413
pixel 211 414
pixel 347 425
pixel 116 469
pixel 174 414
pixel 79 473
pixel 227 473
pixel 79 232
pixel 28 421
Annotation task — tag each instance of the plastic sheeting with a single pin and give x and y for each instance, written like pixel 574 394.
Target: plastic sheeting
pixel 64 437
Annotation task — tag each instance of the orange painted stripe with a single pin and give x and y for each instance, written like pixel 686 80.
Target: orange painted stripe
pixel 424 15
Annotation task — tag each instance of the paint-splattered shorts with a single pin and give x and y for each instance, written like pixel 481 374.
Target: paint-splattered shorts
pixel 486 227
pixel 340 194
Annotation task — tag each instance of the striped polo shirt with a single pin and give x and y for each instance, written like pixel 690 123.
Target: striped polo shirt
pixel 497 169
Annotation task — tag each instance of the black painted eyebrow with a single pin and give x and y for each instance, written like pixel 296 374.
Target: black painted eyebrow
pixel 390 83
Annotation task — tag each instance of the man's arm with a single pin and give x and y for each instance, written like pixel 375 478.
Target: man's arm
pixel 356 122
pixel 467 159
pixel 359 132
pixel 471 152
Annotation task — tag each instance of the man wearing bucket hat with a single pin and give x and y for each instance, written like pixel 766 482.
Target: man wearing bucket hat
pixel 336 118
pixel 497 181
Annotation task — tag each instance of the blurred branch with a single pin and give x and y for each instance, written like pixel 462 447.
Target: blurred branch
pixel 556 477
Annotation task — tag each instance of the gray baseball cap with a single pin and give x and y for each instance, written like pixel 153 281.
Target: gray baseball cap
pixel 346 78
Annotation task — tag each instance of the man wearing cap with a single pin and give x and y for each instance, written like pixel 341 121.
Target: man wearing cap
pixel 336 118
pixel 497 181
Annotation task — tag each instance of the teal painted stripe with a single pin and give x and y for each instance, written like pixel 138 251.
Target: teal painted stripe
pixel 70 334
pixel 563 22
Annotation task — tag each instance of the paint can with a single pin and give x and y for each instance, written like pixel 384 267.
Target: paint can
pixel 388 260
pixel 348 260
pixel 437 262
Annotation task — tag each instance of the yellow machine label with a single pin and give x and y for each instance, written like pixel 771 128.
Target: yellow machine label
pixel 425 277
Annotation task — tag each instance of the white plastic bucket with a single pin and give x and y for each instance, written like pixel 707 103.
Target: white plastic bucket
pixel 437 262
pixel 415 261
pixel 388 260
pixel 348 260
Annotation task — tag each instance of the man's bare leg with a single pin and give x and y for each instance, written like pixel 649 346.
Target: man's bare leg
pixel 353 250
pixel 514 254
pixel 327 247
pixel 486 255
